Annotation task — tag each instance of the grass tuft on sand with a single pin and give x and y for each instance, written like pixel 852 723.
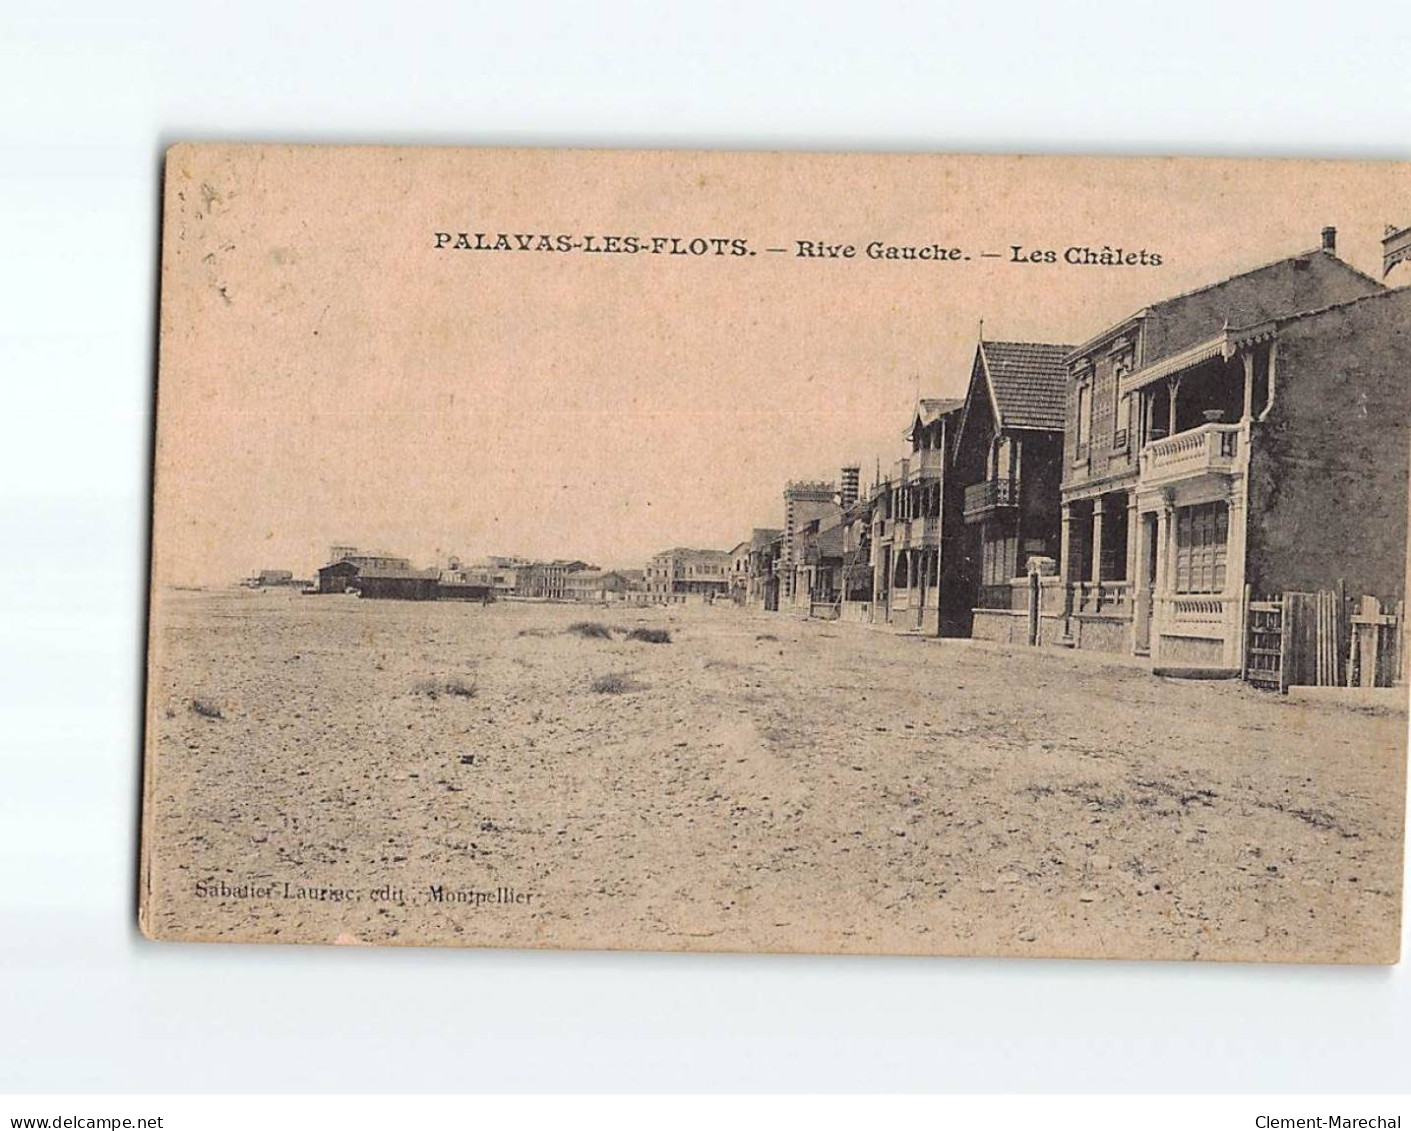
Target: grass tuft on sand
pixel 207 708
pixel 590 630
pixel 651 635
pixel 457 688
pixel 614 683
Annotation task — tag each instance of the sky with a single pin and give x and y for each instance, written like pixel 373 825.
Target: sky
pixel 328 375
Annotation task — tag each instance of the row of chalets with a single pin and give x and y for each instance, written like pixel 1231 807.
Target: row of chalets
pixel 1217 484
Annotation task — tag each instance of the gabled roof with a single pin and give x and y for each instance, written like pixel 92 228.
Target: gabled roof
pixel 1310 280
pixel 1028 383
pixel 931 409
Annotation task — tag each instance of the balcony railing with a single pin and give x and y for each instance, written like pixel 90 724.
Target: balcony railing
pixel 928 534
pixel 1111 597
pixel 1211 449
pixel 984 499
pixel 927 464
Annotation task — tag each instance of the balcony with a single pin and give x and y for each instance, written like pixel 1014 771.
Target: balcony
pixel 984 500
pixel 1211 449
pixel 927 464
pixel 929 534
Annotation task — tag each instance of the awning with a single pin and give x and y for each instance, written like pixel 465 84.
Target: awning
pixel 1188 358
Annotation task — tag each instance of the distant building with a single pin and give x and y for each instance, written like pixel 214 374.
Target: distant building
pixel 761 575
pixel 857 568
pixel 848 482
pixel 350 562
pixel 739 572
pixel 598 585
pixel 547 581
pixel 464 583
pixel 818 569
pixel 804 502
pixel 680 573
pixel 336 576
pixel 398 584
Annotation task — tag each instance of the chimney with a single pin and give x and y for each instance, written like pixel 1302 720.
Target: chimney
pixel 1330 240
pixel 849 485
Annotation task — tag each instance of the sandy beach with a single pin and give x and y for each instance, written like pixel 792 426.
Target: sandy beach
pixel 386 772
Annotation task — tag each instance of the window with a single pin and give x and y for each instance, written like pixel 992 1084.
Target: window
pixel 1085 409
pixel 1201 535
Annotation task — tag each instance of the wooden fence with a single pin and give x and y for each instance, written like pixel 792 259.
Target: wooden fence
pixel 1324 639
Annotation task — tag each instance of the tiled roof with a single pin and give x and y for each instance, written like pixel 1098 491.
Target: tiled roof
pixel 1030 382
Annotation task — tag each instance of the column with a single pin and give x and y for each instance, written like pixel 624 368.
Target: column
pixel 1234 592
pixel 1173 386
pixel 1140 583
pixel 1065 565
pixel 1248 358
pixel 1132 522
pixel 1099 506
pixel 1163 569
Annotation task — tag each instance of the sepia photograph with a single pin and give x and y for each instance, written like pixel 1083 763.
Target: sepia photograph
pixel 768 552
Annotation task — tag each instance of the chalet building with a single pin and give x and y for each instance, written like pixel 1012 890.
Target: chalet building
pixel 823 565
pixel 1248 433
pixel 761 576
pixel 816 587
pixel 1007 465
pixel 804 502
pixel 739 572
pixel 681 574
pixel 908 514
pixel 857 568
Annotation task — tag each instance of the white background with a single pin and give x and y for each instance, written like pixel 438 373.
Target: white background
pixel 89 96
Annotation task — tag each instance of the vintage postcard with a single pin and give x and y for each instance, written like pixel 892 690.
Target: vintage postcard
pixel 780 552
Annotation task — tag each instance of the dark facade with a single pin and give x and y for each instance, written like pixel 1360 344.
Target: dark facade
pixel 335 578
pixel 1328 468
pixel 1007 468
pixel 400 584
